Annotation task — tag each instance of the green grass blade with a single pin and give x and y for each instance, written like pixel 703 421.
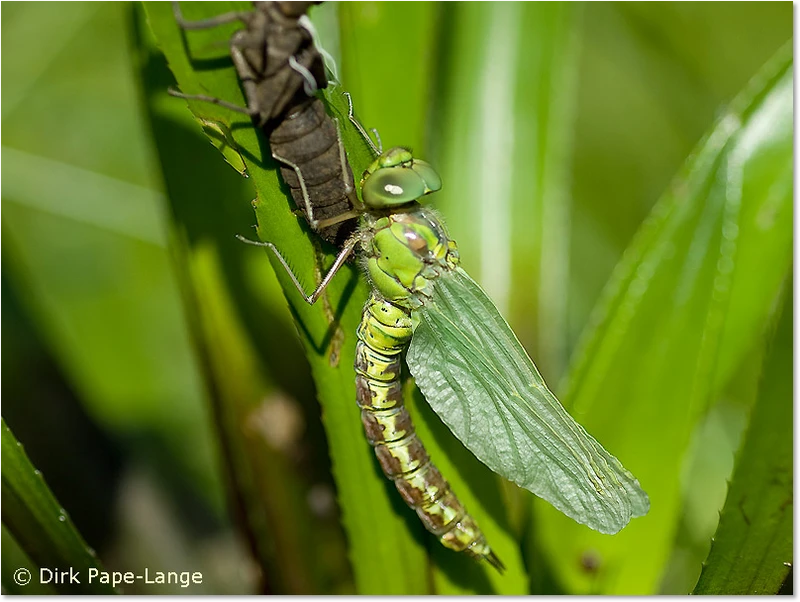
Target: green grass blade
pixel 15 558
pixel 40 526
pixel 679 314
pixel 752 549
pixel 380 531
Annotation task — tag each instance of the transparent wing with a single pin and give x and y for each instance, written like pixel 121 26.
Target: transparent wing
pixel 478 378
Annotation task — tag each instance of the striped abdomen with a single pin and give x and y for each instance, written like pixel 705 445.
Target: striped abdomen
pixel 383 334
pixel 308 138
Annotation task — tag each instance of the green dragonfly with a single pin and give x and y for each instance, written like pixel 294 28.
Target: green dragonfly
pixel 468 364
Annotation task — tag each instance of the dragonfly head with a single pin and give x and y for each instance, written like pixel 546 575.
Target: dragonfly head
pixel 396 178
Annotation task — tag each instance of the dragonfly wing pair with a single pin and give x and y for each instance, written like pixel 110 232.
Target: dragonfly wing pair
pixel 478 378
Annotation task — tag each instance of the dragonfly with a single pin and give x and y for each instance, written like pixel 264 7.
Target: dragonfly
pixel 280 70
pixel 470 367
pixel 425 309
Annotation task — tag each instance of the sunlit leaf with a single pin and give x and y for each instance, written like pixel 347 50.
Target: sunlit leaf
pixel 679 314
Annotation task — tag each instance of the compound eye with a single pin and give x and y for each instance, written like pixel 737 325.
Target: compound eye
pixel 433 181
pixel 391 186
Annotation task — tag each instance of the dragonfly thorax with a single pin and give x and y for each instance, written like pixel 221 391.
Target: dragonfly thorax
pixel 405 253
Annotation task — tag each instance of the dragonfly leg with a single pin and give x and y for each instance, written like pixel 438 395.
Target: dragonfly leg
pixel 324 223
pixel 347 249
pixel 238 40
pixel 348 181
pixel 206 23
pixel 378 138
pixel 342 217
pixel 359 127
pixel 315 224
pixel 358 208
pixel 306 199
pixel 213 100
pixel 246 75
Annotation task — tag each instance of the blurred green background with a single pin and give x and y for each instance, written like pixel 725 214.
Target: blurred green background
pixel 102 378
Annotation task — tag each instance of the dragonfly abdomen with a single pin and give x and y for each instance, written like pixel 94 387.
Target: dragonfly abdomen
pixel 384 332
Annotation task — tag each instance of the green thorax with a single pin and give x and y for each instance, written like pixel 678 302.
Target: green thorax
pixel 404 253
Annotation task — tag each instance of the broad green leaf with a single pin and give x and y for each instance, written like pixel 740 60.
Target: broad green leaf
pixel 258 411
pixel 752 549
pixel 679 314
pixel 653 79
pixel 475 374
pixel 41 527
pixel 328 328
